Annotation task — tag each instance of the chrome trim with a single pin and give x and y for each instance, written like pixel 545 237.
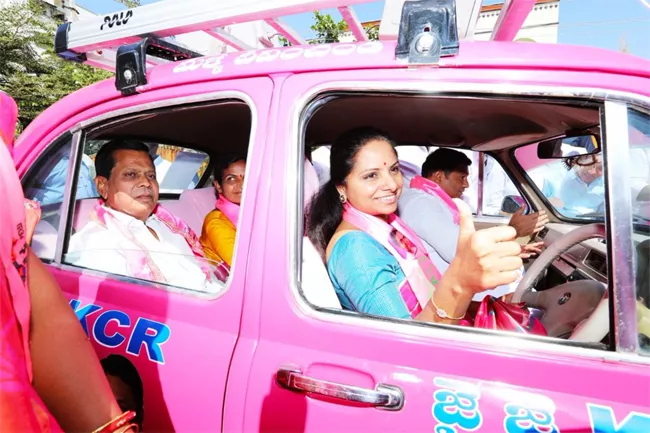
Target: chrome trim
pixel 618 208
pixel 70 186
pixel 479 184
pixel 386 397
pixel 475 337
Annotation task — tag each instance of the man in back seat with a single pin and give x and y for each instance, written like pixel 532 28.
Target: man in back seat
pixel 130 234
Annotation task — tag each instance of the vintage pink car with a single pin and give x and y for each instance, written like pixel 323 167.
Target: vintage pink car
pixel 268 351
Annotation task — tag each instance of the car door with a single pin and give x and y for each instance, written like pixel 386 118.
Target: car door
pixel 301 368
pixel 180 342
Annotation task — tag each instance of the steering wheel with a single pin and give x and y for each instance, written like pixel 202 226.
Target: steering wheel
pixel 578 310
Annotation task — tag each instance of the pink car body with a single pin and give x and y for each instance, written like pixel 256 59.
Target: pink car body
pixel 212 364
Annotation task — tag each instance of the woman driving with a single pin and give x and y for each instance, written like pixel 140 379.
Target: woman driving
pixel 376 263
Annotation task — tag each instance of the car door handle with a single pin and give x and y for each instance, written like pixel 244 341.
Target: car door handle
pixel 387 397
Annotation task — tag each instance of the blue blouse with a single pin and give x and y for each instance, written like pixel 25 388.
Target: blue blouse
pixel 366 276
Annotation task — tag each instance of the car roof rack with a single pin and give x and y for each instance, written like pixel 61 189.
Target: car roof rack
pixel 96 41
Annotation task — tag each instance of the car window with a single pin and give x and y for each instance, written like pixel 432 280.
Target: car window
pixel 152 223
pixel 45 183
pixel 496 186
pixel 639 172
pixel 574 187
pixel 368 272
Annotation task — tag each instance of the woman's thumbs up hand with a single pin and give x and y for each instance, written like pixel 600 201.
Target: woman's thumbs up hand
pixel 485 258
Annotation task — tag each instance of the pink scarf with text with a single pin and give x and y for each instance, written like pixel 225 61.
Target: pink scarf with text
pixel 229 209
pixel 394 235
pixel 141 263
pixel 433 189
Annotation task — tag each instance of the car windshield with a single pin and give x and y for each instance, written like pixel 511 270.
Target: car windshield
pixel 575 186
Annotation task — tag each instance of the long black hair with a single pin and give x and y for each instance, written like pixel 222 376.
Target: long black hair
pixel 326 210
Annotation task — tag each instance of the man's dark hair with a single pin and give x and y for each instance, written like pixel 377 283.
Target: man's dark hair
pixel 105 159
pixel 446 160
pixel 122 368
pixel 223 162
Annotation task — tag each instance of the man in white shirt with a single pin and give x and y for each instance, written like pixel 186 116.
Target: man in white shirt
pixel 432 218
pixel 129 234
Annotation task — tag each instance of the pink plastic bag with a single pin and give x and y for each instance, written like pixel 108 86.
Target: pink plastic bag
pixel 496 314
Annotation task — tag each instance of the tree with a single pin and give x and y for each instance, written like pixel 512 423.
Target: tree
pixel 327 30
pixel 33 74
pixel 129 3
pixel 373 33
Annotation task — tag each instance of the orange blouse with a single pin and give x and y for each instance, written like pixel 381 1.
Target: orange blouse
pixel 218 237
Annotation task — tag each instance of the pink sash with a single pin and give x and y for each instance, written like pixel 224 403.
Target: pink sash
pixel 141 263
pixel 432 188
pixel 229 209
pixel 394 235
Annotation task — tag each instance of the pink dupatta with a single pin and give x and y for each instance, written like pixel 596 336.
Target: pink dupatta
pixel 432 188
pixel 141 263
pixel 229 209
pixel 394 235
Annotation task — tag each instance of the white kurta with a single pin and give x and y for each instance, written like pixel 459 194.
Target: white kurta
pixel 106 249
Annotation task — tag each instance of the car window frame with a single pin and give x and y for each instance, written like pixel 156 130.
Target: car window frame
pixel 79 135
pixel 307 104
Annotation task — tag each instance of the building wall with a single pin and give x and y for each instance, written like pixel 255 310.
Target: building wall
pixel 540 26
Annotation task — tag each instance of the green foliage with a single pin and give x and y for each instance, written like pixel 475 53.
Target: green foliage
pixel 30 71
pixel 327 30
pixel 372 33
pixel 129 3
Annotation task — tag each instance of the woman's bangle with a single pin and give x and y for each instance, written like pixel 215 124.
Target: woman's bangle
pixel 442 313
pixel 119 424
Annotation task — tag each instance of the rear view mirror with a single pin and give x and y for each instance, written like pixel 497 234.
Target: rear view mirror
pixel 566 147
pixel 512 203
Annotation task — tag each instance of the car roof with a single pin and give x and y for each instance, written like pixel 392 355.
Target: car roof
pixel 345 56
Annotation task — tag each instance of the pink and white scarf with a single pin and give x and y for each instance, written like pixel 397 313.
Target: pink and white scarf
pixel 140 261
pixel 432 188
pixel 394 235
pixel 229 209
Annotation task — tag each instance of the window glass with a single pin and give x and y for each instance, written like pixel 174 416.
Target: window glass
pixel 150 221
pixel 574 186
pixel 496 185
pixel 639 172
pixel 45 183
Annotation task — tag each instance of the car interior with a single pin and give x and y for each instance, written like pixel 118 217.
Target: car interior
pixel 490 125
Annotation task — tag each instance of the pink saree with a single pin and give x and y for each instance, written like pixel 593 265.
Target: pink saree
pixel 21 409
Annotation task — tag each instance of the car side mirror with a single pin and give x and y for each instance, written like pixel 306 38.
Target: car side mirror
pixel 512 203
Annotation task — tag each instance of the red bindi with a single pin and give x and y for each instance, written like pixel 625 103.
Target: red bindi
pixel 384 163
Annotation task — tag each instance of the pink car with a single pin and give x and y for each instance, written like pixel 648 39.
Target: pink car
pixel 271 350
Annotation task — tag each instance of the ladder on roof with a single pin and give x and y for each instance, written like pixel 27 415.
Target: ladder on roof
pixel 95 40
